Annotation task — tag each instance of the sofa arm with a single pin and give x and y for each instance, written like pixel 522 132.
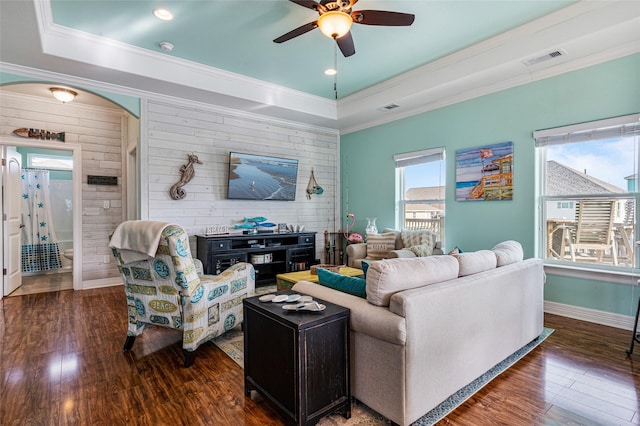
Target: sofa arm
pixel 356 252
pixel 374 321
pixel 199 266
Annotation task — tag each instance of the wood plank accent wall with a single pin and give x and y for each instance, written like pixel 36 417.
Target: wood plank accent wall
pixel 174 131
pixel 101 132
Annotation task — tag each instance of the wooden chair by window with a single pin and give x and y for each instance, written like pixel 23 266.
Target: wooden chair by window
pixel 593 235
pixel 624 234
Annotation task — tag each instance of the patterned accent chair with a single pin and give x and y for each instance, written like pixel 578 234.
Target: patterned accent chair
pixel 169 290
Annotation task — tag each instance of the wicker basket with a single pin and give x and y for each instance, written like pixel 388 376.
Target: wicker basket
pixel 332 268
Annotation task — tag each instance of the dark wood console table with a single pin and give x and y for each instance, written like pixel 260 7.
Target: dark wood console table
pixel 283 253
pixel 298 360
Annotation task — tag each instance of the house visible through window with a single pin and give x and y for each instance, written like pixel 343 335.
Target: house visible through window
pixel 588 193
pixel 50 162
pixel 420 190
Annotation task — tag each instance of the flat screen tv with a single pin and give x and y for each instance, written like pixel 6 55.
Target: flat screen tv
pixel 258 177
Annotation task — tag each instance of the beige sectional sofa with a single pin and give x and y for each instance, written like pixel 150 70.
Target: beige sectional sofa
pixel 431 325
pixel 392 244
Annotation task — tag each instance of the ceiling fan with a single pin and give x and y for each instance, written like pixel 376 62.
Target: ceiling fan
pixel 336 18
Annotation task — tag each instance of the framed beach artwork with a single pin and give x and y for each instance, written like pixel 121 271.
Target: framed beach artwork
pixel 485 173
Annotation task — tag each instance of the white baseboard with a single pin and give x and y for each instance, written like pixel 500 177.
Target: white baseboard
pixel 591 315
pixel 102 282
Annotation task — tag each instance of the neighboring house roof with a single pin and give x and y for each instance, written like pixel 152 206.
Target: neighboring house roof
pixel 563 180
pixel 428 207
pixel 425 193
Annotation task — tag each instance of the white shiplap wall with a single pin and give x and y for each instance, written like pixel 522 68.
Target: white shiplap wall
pixel 175 130
pixel 100 132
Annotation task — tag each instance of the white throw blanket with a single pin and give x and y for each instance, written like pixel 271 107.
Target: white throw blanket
pixel 137 239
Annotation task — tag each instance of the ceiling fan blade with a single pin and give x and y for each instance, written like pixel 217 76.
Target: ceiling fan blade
pixel 306 3
pixel 345 43
pixel 297 32
pixel 382 17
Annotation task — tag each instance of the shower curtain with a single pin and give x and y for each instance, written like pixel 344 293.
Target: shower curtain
pixel 40 251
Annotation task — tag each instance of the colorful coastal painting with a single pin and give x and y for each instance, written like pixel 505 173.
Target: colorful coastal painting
pixel 485 173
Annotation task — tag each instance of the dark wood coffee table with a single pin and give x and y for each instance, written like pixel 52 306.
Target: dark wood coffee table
pixel 298 360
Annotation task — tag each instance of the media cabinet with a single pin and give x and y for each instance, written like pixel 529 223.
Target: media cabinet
pixel 270 254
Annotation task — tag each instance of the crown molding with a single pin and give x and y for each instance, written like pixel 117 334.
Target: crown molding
pixel 83 47
pixel 91 85
pixel 591 32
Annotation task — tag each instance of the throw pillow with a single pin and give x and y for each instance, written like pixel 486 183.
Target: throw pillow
pixel 365 267
pixel 351 285
pixel 475 262
pixel 508 252
pixel 422 250
pixel 398 235
pixel 414 238
pixel 455 250
pixel 379 245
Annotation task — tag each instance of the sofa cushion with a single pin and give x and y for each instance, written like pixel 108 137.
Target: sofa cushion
pixel 422 250
pixel 390 276
pixel 475 262
pixel 508 252
pixel 398 235
pixel 350 285
pixel 379 245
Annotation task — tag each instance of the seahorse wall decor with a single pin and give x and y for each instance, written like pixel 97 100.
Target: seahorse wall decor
pixel 187 172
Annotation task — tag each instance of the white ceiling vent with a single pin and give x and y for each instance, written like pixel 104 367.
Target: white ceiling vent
pixel 388 107
pixel 546 57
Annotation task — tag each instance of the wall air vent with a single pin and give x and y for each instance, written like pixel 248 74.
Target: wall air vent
pixel 388 107
pixel 546 57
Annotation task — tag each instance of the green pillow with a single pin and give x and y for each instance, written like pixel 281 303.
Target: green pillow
pixel 351 285
pixel 365 267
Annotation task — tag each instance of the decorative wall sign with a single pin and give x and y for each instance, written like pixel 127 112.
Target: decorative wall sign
pixel 485 173
pixel 102 180
pixel 187 171
pixel 39 134
pixel 217 229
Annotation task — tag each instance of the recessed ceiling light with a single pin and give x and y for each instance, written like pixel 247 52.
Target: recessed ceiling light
pixel 163 14
pixel 330 71
pixel 166 46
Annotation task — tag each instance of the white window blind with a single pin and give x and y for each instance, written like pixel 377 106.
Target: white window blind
pixel 419 157
pixel 603 129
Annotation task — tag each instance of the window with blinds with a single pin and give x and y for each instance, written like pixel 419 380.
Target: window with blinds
pixel 420 190
pixel 588 193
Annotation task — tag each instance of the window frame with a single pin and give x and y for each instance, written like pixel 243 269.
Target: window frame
pixel 415 158
pixel 581 133
pixel 32 155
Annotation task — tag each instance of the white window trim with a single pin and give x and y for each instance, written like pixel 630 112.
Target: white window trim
pixel 31 155
pixel 559 135
pixel 412 159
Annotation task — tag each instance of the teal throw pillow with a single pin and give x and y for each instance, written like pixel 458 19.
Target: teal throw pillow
pixel 365 267
pixel 351 285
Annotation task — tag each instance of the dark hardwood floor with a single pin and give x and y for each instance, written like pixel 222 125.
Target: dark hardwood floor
pixel 61 363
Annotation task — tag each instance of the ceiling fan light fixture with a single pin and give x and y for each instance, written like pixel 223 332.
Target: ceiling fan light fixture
pixel 335 24
pixel 63 95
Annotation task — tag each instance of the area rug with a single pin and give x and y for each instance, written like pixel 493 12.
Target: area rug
pixel 232 344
